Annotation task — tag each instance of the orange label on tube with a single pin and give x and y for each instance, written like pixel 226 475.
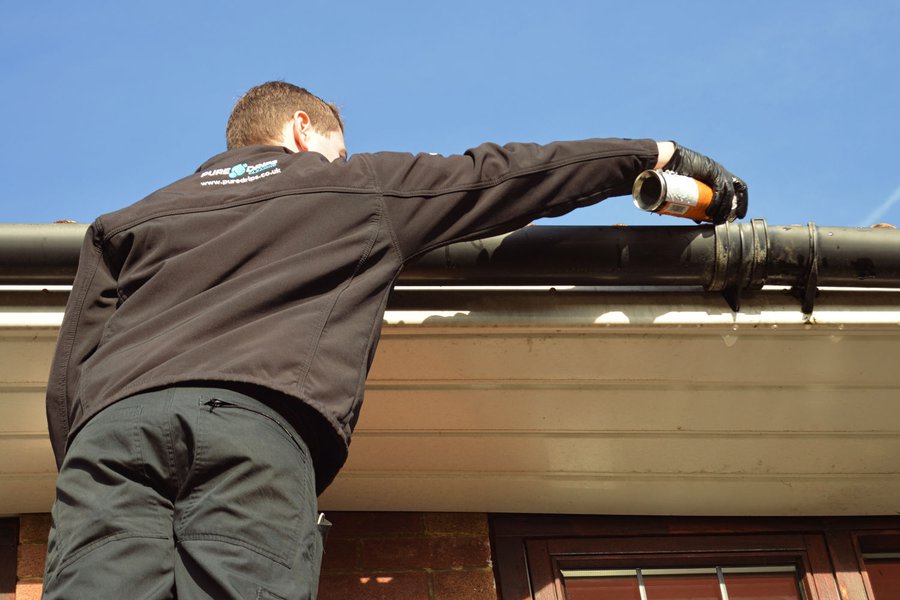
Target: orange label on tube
pixel 671 194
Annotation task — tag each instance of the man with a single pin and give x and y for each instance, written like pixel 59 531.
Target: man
pixel 211 364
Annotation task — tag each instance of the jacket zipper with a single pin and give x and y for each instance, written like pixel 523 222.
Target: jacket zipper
pixel 216 403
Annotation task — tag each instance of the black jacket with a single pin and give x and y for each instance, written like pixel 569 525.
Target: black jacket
pixel 272 269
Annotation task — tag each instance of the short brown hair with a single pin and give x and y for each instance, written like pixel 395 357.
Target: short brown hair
pixel 259 116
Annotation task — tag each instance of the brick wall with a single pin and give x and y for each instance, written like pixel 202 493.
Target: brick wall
pixel 369 556
pixel 33 530
pixel 408 556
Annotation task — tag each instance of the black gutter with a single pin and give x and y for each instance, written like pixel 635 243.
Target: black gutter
pixel 729 258
pixel 39 254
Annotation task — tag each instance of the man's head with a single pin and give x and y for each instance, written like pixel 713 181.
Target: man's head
pixel 283 114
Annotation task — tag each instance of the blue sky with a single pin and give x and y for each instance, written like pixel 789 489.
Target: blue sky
pixel 104 102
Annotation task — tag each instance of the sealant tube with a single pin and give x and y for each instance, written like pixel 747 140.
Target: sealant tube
pixel 670 194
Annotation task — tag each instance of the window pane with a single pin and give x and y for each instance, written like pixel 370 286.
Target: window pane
pixel 603 588
pixel 682 587
pixel 685 583
pixel 762 586
pixel 884 575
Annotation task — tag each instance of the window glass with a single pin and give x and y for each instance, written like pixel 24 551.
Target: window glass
pixel 705 583
pixel 682 586
pixel 624 587
pixel 762 586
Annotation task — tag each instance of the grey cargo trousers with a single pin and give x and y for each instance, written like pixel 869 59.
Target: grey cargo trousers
pixel 186 493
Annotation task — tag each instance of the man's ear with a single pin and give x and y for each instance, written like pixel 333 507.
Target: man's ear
pixel 300 129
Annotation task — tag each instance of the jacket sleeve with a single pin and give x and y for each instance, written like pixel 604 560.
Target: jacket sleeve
pixel 91 303
pixel 435 200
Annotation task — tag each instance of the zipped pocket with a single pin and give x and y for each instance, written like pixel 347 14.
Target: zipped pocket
pixel 249 464
pixel 217 403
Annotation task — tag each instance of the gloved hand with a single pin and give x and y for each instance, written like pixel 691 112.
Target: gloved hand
pixel 729 192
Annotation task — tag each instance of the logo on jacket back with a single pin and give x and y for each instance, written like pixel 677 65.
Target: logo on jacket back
pixel 242 173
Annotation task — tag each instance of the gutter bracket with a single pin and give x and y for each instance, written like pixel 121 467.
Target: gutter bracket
pixel 740 260
pixel 732 295
pixel 738 267
pixel 807 289
pixel 720 280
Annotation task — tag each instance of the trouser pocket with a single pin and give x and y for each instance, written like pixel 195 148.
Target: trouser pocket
pixel 251 483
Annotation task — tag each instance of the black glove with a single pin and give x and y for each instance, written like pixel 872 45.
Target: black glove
pixel 726 187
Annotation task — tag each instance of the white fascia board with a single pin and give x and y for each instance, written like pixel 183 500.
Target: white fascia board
pixel 30 319
pixel 579 308
pixel 541 307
